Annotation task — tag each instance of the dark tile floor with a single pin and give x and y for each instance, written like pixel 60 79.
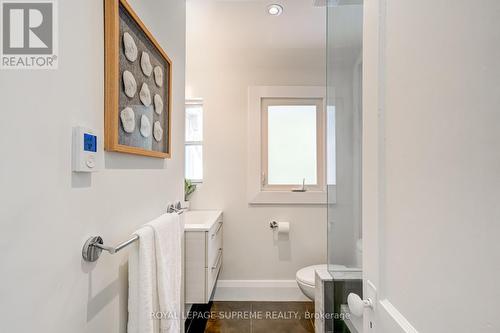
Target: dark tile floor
pixel 260 317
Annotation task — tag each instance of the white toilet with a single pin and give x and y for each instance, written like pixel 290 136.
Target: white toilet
pixel 306 278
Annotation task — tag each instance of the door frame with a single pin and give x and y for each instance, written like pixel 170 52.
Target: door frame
pixel 384 317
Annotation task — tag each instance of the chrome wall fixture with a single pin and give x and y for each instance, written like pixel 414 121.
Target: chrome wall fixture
pixel 94 246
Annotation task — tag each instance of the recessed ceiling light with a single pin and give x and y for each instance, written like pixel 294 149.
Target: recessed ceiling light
pixel 275 10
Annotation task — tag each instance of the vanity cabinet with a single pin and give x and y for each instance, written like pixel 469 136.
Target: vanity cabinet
pixel 203 254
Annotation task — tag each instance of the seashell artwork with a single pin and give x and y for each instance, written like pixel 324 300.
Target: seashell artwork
pixel 157 131
pixel 158 104
pixel 137 96
pixel 146 66
pixel 145 95
pixel 130 49
pixel 158 76
pixel 127 117
pixel 145 126
pixel 129 83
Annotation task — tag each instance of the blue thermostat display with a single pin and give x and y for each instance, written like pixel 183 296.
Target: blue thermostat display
pixel 89 142
pixel 85 156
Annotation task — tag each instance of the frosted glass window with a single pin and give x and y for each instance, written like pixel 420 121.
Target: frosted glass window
pixel 194 123
pixel 194 162
pixel 292 144
pixel 194 140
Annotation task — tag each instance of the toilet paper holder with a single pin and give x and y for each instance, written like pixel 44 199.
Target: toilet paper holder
pixel 273 225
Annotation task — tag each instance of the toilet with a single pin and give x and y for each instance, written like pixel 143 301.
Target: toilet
pixel 306 278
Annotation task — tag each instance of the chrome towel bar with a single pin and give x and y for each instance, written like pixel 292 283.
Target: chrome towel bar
pixel 113 250
pixel 94 246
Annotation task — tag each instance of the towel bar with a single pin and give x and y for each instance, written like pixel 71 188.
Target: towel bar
pixel 94 246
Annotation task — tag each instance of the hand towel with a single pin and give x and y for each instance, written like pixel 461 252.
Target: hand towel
pixel 141 279
pixel 168 232
pixel 155 277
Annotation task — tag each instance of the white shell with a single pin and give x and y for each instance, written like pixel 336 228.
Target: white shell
pixel 128 119
pixel 157 131
pixel 146 66
pixel 158 104
pixel 158 76
pixel 129 83
pixel 129 46
pixel 145 126
pixel 145 95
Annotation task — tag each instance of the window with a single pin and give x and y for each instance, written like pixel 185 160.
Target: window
pixel 292 144
pixel 194 140
pixel 286 145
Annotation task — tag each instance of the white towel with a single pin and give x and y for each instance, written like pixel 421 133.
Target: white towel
pixel 140 274
pixel 168 236
pixel 155 277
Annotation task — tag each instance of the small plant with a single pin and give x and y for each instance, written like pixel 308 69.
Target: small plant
pixel 189 188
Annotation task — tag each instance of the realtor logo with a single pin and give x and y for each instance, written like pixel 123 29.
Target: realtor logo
pixel 29 35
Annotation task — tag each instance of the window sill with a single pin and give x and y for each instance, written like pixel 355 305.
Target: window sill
pixel 289 198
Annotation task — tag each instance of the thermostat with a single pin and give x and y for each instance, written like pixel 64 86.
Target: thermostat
pixel 85 151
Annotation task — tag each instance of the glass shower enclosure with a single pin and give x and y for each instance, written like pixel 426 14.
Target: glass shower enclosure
pixel 344 121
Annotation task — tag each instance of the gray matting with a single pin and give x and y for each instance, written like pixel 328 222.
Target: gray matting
pixel 135 139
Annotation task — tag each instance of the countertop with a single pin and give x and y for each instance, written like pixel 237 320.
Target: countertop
pixel 201 220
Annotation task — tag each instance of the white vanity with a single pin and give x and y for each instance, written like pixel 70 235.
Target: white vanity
pixel 203 253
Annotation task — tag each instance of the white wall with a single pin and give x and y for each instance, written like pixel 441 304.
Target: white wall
pixel 231 46
pixel 439 179
pixel 47 213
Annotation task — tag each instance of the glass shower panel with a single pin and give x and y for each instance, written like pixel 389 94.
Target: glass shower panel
pixel 344 86
pixel 344 93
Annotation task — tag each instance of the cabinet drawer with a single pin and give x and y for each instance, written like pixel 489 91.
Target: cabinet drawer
pixel 214 243
pixel 203 258
pixel 212 273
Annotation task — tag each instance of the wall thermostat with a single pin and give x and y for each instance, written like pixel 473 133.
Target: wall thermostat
pixel 85 151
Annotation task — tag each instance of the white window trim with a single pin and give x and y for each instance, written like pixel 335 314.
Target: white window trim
pixel 255 194
pixel 189 102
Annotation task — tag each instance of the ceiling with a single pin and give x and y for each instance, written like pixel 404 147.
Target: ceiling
pixel 246 23
pixel 236 31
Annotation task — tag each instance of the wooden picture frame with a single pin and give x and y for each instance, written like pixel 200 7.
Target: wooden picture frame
pixel 117 14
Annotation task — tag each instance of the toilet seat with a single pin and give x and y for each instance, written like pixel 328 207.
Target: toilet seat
pixel 306 277
pixel 306 274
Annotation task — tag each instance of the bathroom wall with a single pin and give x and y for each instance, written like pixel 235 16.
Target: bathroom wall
pixel 46 212
pixel 231 46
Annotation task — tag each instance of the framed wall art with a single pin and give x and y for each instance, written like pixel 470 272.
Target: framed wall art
pixel 138 82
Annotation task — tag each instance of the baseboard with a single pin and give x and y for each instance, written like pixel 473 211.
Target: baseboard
pixel 258 290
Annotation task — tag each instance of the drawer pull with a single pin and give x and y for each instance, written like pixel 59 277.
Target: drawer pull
pixel 217 231
pixel 217 262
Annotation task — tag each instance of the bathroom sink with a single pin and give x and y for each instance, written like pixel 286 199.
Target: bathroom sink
pixel 201 220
